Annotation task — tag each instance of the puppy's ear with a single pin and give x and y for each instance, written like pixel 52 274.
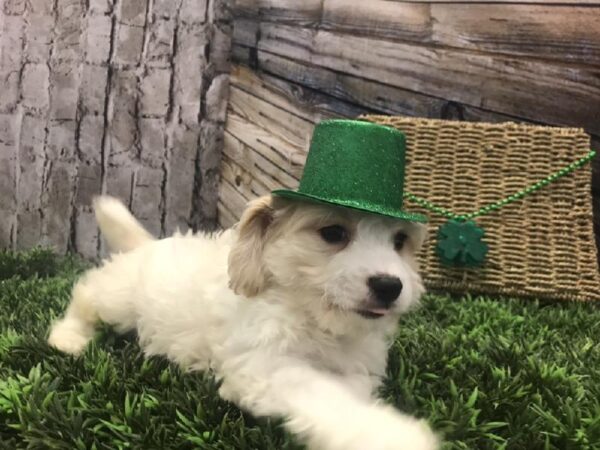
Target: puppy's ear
pixel 247 272
pixel 418 235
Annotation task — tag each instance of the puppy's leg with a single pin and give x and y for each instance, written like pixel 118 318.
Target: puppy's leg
pixel 72 333
pixel 363 385
pixel 325 412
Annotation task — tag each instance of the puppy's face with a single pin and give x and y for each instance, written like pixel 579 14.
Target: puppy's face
pixel 326 259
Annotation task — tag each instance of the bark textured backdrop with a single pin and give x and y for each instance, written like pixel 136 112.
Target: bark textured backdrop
pixel 129 97
pixel 121 96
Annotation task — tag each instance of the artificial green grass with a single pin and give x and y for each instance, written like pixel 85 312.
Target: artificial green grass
pixel 488 374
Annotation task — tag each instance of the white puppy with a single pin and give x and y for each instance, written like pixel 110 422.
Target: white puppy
pixel 294 309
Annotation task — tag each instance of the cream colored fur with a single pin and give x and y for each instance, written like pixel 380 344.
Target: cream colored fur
pixel 270 307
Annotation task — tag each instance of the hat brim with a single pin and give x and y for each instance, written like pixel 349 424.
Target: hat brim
pixel 360 206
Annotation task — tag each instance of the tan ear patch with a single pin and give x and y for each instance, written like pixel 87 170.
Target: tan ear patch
pixel 247 272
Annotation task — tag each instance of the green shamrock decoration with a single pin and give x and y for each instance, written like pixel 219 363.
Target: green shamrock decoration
pixel 459 244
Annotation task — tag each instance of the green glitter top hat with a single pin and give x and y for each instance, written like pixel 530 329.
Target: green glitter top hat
pixel 358 165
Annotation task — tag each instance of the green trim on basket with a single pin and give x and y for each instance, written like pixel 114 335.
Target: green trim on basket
pixel 506 200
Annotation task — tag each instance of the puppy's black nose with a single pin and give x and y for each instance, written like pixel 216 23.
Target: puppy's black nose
pixel 385 288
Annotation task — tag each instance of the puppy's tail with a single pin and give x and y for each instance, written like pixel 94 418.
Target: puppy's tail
pixel 118 226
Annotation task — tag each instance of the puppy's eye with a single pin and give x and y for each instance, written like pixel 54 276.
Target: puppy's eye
pixel 334 234
pixel 400 239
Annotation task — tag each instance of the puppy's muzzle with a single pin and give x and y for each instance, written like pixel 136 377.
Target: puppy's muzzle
pixel 385 289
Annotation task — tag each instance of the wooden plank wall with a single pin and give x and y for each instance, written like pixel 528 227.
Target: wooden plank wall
pixel 298 62
pixel 126 97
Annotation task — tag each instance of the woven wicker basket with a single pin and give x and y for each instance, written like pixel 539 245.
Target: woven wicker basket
pixel 541 246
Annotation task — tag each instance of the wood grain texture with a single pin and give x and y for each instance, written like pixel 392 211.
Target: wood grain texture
pixel 305 12
pixel 285 155
pixel 286 127
pixel 566 34
pixel 350 95
pixel 260 153
pixel 311 11
pixel 266 85
pixel 519 87
pixel 365 93
pixel 565 31
pixel 226 218
pixel 511 2
pixel 269 172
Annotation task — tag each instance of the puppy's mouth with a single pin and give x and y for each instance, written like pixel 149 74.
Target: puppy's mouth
pixel 367 309
pixel 372 312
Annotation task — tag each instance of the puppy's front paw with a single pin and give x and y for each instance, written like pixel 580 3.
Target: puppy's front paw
pixel 67 338
pixel 389 430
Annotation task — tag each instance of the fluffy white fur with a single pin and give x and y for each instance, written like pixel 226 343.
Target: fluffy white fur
pixel 271 307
